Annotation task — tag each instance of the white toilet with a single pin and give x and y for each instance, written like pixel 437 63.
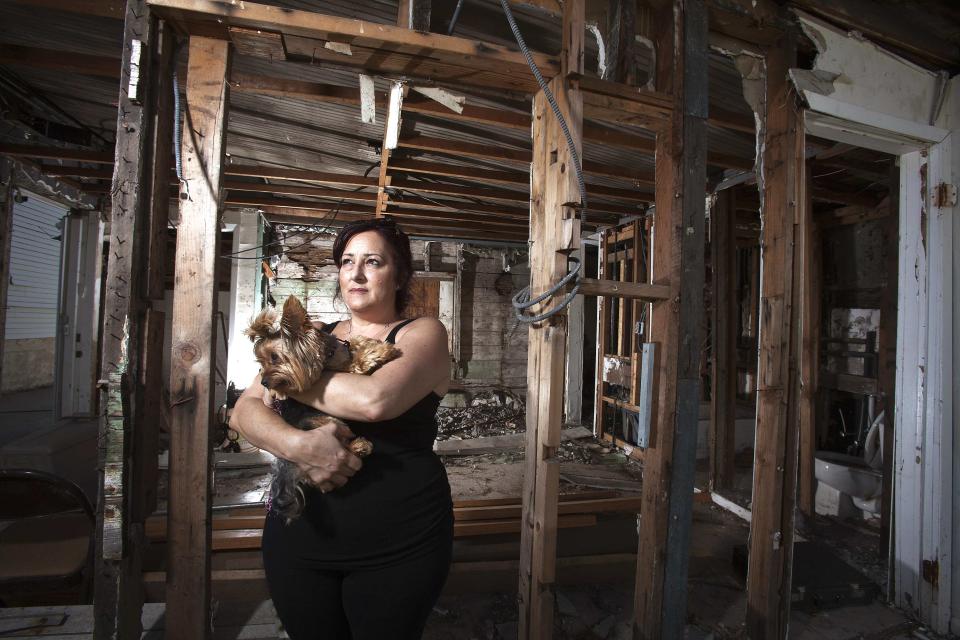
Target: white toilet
pixel 850 486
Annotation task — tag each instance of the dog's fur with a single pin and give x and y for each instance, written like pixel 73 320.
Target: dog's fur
pixel 292 354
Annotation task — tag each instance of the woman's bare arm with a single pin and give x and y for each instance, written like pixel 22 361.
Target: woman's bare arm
pixel 393 388
pixel 319 453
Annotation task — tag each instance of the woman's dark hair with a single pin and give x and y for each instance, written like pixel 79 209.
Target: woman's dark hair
pixel 399 245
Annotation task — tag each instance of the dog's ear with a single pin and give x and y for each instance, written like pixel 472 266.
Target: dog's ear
pixel 262 326
pixel 295 321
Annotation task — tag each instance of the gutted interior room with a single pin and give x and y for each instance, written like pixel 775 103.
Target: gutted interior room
pixel 479 319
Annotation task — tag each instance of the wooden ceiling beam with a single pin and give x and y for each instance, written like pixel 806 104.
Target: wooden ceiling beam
pixel 491 152
pixel 65 61
pixel 440 204
pixel 99 8
pixel 55 153
pixel 240 198
pixel 211 18
pixel 456 190
pixel 388 63
pixel 514 177
pixel 411 224
pixel 298 190
pixel 403 212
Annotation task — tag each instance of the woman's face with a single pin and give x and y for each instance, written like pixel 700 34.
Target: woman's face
pixel 368 274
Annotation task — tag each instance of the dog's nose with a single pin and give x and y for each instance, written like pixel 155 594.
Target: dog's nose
pixel 264 382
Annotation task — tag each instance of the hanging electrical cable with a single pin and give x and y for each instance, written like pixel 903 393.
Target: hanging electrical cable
pixel 522 300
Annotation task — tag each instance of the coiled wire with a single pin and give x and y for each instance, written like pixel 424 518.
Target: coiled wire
pixel 522 300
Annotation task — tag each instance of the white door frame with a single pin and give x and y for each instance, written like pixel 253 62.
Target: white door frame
pixel 924 460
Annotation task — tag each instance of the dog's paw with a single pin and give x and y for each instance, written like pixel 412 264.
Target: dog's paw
pixel 360 447
pixel 367 354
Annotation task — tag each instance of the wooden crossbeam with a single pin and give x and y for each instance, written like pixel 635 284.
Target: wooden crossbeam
pixel 194 338
pixel 212 18
pixel 627 290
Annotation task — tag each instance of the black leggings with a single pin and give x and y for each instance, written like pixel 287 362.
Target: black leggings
pixel 389 603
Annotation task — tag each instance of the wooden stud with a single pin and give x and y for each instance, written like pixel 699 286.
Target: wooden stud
pixel 678 235
pixel 194 339
pixel 809 345
pixel 118 593
pixel 723 396
pixel 775 461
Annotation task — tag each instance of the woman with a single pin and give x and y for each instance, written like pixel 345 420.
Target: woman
pixel 369 556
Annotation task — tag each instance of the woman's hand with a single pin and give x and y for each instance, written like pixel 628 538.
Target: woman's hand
pixel 322 457
pixel 320 453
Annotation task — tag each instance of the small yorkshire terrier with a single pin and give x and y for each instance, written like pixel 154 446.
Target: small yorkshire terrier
pixel 292 354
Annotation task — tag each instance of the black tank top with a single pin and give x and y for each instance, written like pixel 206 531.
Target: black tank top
pixel 396 507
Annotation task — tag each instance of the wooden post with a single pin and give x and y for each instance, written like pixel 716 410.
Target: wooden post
pixel 809 314
pixel 194 340
pixel 723 396
pixel 775 460
pixel 555 232
pixel 118 591
pixel 675 324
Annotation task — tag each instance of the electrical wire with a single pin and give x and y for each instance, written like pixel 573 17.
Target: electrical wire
pixel 522 300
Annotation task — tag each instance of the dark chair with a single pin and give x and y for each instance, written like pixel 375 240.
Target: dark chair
pixel 46 534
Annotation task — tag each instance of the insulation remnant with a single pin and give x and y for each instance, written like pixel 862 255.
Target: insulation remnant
pixel 449 100
pixel 594 29
pixel 368 100
pixel 339 47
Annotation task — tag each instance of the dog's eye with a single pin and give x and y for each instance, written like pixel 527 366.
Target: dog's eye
pixel 274 358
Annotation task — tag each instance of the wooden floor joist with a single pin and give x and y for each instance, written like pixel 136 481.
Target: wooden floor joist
pixel 775 462
pixel 194 339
